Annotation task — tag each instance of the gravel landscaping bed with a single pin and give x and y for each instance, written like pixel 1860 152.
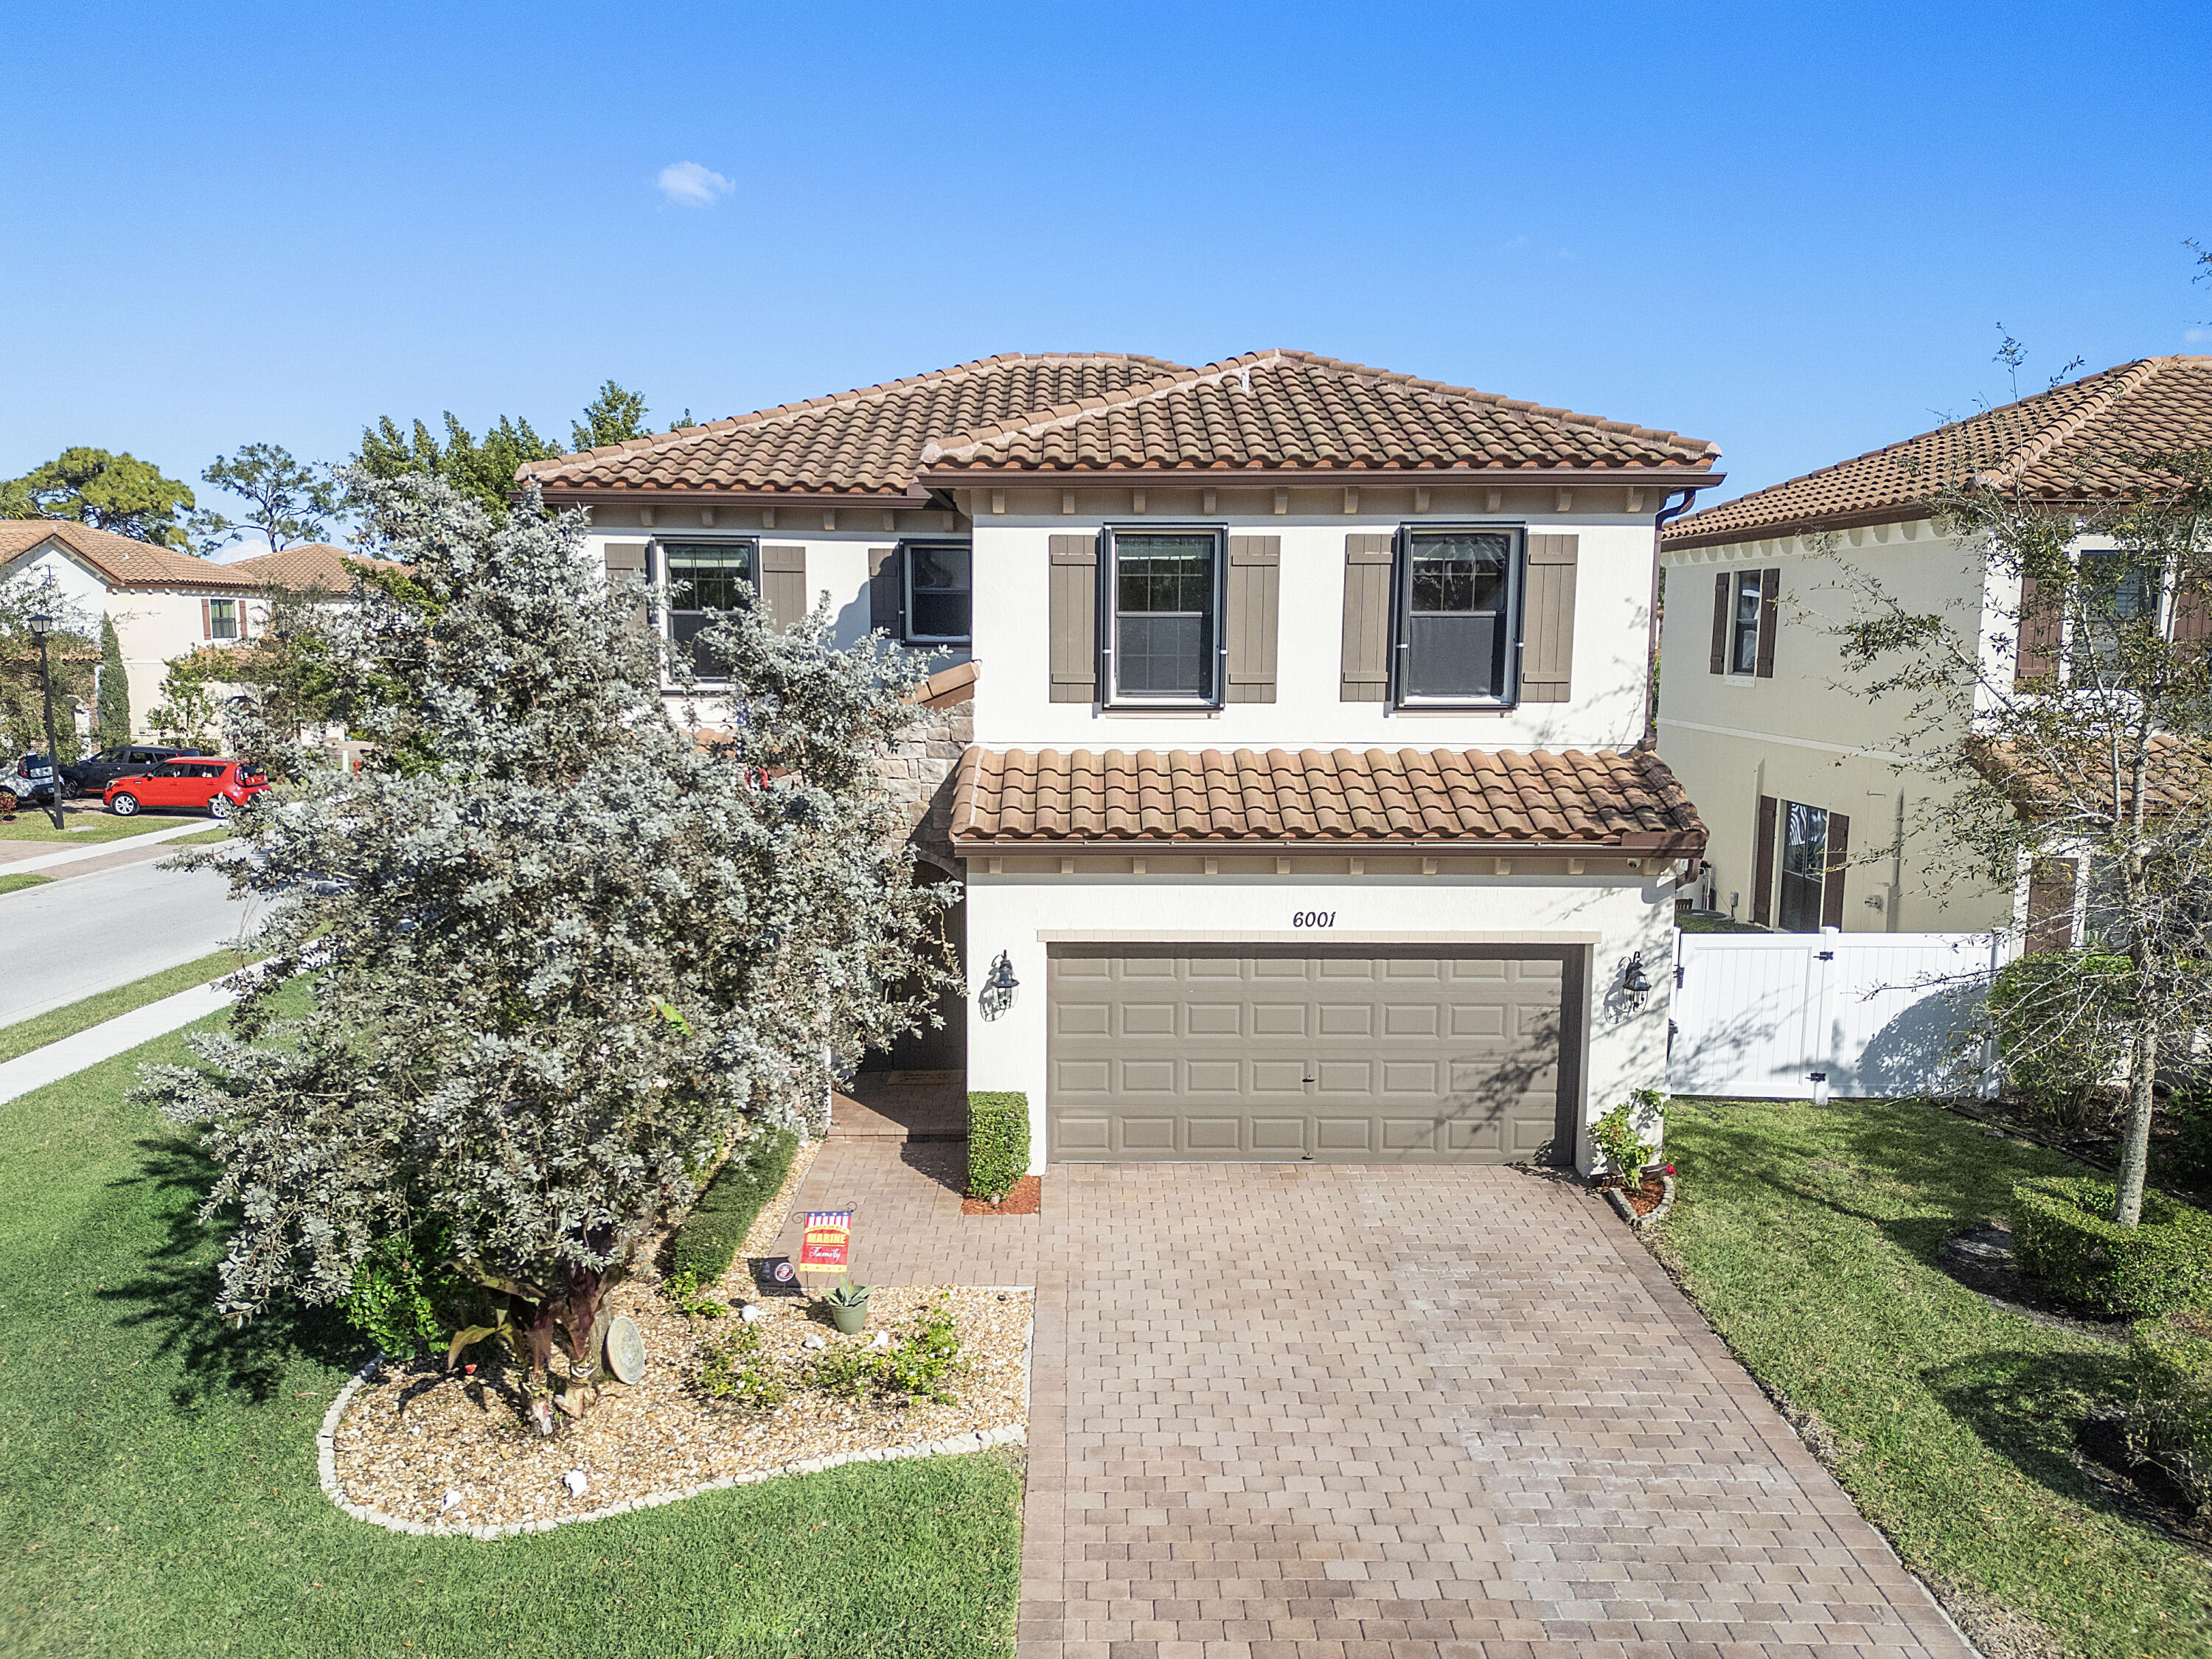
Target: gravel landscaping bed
pixel 422 1448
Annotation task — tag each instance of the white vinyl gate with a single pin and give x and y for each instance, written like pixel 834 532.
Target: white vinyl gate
pixel 1785 1016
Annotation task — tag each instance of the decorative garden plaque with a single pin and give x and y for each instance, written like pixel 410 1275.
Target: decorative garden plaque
pixel 625 1349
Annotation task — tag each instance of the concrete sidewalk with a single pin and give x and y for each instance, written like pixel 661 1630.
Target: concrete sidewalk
pixel 100 849
pixel 111 1037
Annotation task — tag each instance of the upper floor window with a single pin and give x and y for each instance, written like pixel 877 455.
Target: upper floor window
pixel 1747 606
pixel 2115 595
pixel 704 581
pixel 222 619
pixel 1164 591
pixel 1458 593
pixel 939 595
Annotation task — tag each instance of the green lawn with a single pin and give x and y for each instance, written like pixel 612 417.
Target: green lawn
pixel 18 882
pixel 161 1495
pixel 52 1027
pixel 86 825
pixel 1808 1234
pixel 205 838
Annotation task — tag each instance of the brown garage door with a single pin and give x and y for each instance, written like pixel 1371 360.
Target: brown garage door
pixel 1358 1054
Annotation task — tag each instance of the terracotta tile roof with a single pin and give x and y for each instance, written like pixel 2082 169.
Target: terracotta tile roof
pixel 867 442
pixel 2082 442
pixel 127 564
pixel 1292 410
pixel 2178 776
pixel 1510 798
pixel 948 686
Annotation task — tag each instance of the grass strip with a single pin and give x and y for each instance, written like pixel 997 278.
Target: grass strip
pixel 18 882
pixel 1810 1235
pixel 52 1026
pixel 205 838
pixel 161 1496
pixel 88 829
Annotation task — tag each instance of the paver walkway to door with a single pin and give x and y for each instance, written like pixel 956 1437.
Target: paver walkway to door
pixel 1353 1411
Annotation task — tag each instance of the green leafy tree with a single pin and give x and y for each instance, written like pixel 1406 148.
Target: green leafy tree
pixel 114 710
pixel 119 493
pixel 561 953
pixel 2098 753
pixel 482 470
pixel 71 654
pixel 614 416
pixel 288 501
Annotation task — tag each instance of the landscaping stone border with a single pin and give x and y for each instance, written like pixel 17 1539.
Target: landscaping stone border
pixel 1627 1212
pixel 1012 1434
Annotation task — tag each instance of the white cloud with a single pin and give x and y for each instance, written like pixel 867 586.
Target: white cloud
pixel 692 185
pixel 2194 336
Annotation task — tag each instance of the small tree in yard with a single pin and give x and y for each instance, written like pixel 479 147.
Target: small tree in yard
pixel 2093 704
pixel 560 953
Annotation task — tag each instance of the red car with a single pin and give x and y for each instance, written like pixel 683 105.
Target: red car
pixel 219 786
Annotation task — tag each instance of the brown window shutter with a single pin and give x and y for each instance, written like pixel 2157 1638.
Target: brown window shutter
pixel 887 592
pixel 1720 622
pixel 626 562
pixel 1075 620
pixel 2192 618
pixel 1831 878
pixel 1255 580
pixel 1367 670
pixel 207 620
pixel 1547 620
pixel 1770 616
pixel 1762 862
pixel 2038 655
pixel 783 584
pixel 2051 904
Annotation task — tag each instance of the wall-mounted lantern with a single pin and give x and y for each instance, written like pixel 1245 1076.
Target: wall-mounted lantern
pixel 1635 983
pixel 999 987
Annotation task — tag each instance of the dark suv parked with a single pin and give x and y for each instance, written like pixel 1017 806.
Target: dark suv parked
pixel 92 774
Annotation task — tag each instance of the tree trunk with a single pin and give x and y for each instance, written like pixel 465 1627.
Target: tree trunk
pixel 2135 1151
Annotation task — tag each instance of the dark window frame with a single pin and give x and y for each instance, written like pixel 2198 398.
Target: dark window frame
pixel 234 620
pixel 657 563
pixel 1741 661
pixel 1790 884
pixel 1508 695
pixel 1213 648
pixel 911 634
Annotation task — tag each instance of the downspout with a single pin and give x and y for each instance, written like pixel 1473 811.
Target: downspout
pixel 1673 509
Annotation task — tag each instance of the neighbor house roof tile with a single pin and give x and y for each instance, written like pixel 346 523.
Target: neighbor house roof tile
pixel 124 562
pixel 1526 798
pixel 868 442
pixel 2090 439
pixel 1294 411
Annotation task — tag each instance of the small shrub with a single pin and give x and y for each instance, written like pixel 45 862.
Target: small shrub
pixel 917 1364
pixel 405 1296
pixel 709 1238
pixel 687 1295
pixel 1619 1134
pixel 735 1369
pixel 843 1369
pixel 2171 1422
pixel 2064 1235
pixel 2061 1033
pixel 998 1143
pixel 2191 1109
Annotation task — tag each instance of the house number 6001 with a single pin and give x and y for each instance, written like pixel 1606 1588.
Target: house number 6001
pixel 1314 919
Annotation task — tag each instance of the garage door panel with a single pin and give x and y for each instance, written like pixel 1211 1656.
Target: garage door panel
pixel 1290 1052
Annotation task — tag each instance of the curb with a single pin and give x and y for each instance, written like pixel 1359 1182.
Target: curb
pixel 327 1467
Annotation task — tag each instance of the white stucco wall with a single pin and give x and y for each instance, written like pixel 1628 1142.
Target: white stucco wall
pixel 1614 916
pixel 1812 733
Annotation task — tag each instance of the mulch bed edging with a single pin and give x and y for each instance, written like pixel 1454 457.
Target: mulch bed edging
pixel 1643 1207
pixel 1023 1197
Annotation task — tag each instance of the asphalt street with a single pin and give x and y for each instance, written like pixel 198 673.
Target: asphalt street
pixel 67 940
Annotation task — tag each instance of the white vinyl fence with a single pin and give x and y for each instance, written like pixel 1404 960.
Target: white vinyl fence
pixel 1786 1015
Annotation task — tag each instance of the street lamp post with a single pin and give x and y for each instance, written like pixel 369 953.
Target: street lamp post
pixel 43 624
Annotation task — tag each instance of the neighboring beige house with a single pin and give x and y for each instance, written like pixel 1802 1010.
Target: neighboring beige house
pixel 1304 816
pixel 163 602
pixel 1794 775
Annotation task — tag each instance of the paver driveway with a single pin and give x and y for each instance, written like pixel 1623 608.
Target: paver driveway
pixel 1353 1411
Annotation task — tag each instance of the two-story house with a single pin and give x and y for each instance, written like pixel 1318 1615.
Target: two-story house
pixel 163 602
pixel 1812 813
pixel 1304 815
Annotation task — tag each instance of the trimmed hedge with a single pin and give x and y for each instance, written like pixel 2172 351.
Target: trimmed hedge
pixel 707 1241
pixel 998 1143
pixel 2171 1422
pixel 2062 1234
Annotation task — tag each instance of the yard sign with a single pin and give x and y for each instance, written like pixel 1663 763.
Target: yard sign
pixel 827 1244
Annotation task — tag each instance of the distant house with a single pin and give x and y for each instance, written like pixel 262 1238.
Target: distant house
pixel 164 603
pixel 1797 778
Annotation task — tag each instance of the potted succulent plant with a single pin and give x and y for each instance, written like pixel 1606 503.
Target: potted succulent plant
pixel 849 1306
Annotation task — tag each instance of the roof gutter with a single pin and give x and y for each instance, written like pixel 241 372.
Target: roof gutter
pixel 1331 478
pixel 1680 844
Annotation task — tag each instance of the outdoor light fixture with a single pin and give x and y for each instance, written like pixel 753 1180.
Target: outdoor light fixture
pixel 999 987
pixel 1635 983
pixel 40 624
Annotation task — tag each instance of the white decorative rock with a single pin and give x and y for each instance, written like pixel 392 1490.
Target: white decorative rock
pixel 577 1482
pixel 814 1342
pixel 451 1501
pixel 751 1312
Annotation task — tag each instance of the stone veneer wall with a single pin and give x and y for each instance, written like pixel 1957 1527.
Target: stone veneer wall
pixel 920 769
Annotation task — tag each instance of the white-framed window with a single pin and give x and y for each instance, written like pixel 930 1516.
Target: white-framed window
pixel 1163 639
pixel 938 578
pixel 223 619
pixel 1746 594
pixel 1458 615
pixel 705 579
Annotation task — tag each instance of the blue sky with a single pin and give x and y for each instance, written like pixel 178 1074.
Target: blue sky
pixel 1793 232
